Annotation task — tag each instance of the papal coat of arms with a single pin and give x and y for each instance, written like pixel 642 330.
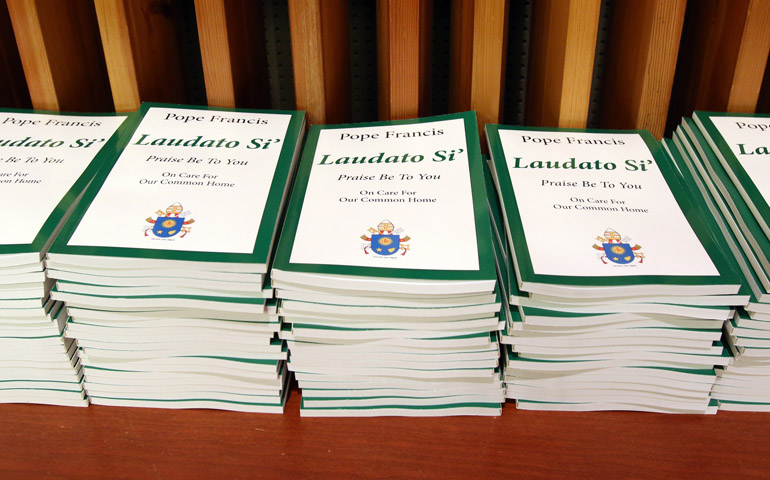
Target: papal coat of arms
pixel 170 222
pixel 617 250
pixel 385 240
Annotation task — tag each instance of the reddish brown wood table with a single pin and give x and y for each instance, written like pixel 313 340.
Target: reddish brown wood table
pixel 38 441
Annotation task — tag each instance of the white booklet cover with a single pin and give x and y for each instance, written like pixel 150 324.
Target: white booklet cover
pixel 741 142
pixel 390 196
pixel 749 140
pixel 188 180
pixel 597 204
pixel 41 158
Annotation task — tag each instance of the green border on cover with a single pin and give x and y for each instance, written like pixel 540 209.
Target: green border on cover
pixel 726 276
pixel 486 269
pixel 733 200
pixel 113 145
pixel 267 230
pixel 732 165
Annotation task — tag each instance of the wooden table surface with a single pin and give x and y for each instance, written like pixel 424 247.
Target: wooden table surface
pixel 40 441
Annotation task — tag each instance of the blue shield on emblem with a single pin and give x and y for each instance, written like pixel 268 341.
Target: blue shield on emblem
pixel 385 244
pixel 167 226
pixel 619 252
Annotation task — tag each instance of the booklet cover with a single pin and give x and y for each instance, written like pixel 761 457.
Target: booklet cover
pixel 192 183
pixel 398 199
pixel 742 144
pixel 733 210
pixel 601 209
pixel 45 164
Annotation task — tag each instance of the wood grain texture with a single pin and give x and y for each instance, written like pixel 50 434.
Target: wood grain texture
pixel 403 50
pixel 562 62
pixel 763 104
pixel 13 87
pixel 751 59
pixel 155 48
pixel 490 35
pixel 582 31
pixel 215 52
pixel 141 50
pixel 426 33
pixel 723 56
pixel 321 59
pixel 39 441
pixel 231 35
pixel 61 53
pixel 461 55
pixel 641 61
pixel 116 42
pixel 34 56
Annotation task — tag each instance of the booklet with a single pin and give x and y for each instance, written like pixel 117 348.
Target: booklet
pixel 194 185
pixel 602 213
pixel 741 142
pixel 741 234
pixel 46 161
pixel 397 206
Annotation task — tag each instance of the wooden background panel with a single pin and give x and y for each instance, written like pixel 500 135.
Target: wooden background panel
pixel 751 59
pixel 154 42
pixel 403 42
pixel 564 36
pixel 461 55
pixel 479 30
pixel 763 103
pixel 321 57
pixel 723 54
pixel 113 27
pixel 640 64
pixel 60 50
pixel 232 44
pixel 490 19
pixel 215 52
pixel 144 51
pixel 13 87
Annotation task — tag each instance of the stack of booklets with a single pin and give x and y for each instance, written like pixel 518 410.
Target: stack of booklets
pixel 385 272
pixel 46 161
pixel 163 264
pixel 618 291
pixel 726 156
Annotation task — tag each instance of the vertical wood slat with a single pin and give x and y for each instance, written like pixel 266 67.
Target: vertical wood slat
pixel 723 54
pixel 34 56
pixel 215 52
pixel 58 44
pixel 461 61
pixel 763 103
pixel 118 54
pixel 321 59
pixel 490 34
pixel 155 44
pixel 641 61
pixel 13 87
pixel 479 40
pixel 403 45
pixel 232 52
pixel 142 51
pixel 752 58
pixel 561 62
pixel 426 34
